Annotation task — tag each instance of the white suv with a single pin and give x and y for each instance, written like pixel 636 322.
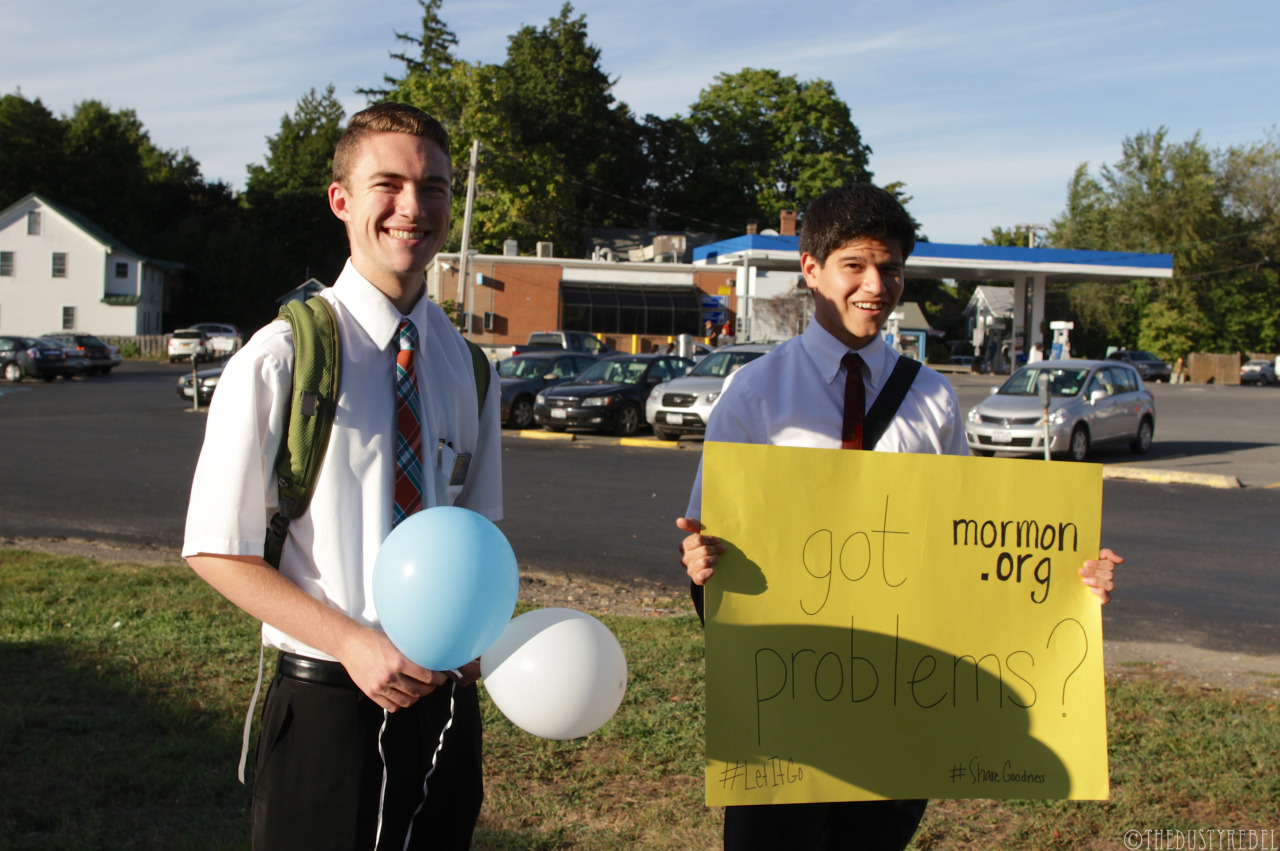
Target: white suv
pixel 186 343
pixel 223 339
pixel 683 405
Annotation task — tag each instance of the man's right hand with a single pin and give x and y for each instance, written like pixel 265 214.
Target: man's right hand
pixel 385 674
pixel 699 553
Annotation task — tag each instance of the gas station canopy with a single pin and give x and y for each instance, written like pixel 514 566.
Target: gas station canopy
pixel 1030 270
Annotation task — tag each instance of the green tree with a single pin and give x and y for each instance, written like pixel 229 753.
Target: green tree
pixel 775 143
pixel 432 52
pixel 33 140
pixel 286 203
pixel 558 153
pixel 1159 198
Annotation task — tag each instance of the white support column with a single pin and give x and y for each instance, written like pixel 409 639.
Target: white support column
pixel 1035 334
pixel 1019 332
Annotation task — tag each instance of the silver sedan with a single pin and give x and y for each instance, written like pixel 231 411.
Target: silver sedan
pixel 1093 403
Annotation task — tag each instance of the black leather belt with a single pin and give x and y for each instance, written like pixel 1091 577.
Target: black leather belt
pixel 319 671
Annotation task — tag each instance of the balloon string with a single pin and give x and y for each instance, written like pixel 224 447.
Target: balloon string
pixel 434 757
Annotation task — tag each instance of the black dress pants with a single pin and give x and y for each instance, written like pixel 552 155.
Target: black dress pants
pixel 319 773
pixel 846 826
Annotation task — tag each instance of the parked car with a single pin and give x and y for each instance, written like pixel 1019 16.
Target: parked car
pixel 1257 372
pixel 610 395
pixel 116 357
pixel 1092 403
pixel 1150 367
pixel 96 354
pixel 683 405
pixel 76 363
pixel 27 357
pixel 206 383
pixel 221 339
pixel 186 343
pixel 523 376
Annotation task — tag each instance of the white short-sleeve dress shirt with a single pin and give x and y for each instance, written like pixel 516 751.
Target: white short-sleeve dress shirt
pixel 331 550
pixel 794 396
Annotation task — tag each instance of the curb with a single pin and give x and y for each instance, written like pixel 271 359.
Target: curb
pixel 541 434
pixel 1176 477
pixel 648 443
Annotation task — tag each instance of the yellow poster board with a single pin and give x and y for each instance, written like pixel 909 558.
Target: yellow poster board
pixel 901 626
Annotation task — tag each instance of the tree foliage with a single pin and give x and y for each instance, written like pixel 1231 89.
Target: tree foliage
pixel 775 142
pixel 1215 212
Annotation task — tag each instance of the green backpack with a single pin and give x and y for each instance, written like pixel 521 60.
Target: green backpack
pixel 314 403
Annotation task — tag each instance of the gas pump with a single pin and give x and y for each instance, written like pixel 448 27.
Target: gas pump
pixel 1061 340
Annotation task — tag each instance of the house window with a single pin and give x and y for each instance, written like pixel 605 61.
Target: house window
pixel 6 264
pixel 59 264
pixel 68 319
pixel 122 270
pixel 33 223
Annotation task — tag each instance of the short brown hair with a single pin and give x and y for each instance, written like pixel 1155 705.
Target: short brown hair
pixel 385 117
pixel 855 211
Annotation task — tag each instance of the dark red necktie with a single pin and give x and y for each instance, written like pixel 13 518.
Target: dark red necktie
pixel 855 403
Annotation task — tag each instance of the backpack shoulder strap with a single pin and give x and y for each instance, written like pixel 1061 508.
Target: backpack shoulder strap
pixel 309 416
pixel 890 398
pixel 480 366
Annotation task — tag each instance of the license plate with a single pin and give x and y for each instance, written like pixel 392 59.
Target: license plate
pixel 1001 437
pixel 559 414
pixel 186 391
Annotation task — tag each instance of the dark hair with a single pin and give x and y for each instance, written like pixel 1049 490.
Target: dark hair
pixel 855 211
pixel 385 117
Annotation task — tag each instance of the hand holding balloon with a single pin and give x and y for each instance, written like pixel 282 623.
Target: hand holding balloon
pixel 444 586
pixel 556 673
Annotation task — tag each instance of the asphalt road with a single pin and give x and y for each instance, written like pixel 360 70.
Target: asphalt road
pixel 111 458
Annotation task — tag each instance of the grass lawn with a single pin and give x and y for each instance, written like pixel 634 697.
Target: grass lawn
pixel 124 687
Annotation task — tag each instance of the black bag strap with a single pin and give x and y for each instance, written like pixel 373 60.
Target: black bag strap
pixel 889 400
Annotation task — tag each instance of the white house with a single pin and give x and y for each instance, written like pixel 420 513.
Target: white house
pixel 60 271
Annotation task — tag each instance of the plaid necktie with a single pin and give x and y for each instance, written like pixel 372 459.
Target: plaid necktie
pixel 408 490
pixel 855 403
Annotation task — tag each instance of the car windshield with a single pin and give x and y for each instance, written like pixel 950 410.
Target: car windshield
pixel 524 368
pixel 613 372
pixel 90 340
pixel 187 335
pixel 1138 354
pixel 1062 382
pixel 721 364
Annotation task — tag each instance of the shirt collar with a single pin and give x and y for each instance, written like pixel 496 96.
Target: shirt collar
pixel 373 311
pixel 827 352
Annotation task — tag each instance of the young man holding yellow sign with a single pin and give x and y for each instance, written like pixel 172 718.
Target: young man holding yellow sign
pixel 839 385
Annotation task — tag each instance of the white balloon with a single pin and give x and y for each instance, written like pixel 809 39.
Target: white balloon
pixel 556 673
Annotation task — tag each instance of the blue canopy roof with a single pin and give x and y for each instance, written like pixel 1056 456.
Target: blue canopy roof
pixel 947 260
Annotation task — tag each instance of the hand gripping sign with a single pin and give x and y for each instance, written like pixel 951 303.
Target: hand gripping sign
pixel 901 626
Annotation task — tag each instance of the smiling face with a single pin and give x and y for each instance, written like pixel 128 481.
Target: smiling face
pixel 395 202
pixel 856 289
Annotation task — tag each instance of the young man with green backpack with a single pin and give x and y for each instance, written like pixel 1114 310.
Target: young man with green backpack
pixel 352 730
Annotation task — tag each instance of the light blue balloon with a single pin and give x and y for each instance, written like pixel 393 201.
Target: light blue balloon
pixel 445 585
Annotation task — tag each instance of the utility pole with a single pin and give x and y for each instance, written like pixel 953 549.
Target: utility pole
pixel 463 270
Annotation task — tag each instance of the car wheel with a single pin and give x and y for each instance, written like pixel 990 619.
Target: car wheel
pixel 1078 449
pixel 521 415
pixel 13 372
pixel 1142 442
pixel 627 421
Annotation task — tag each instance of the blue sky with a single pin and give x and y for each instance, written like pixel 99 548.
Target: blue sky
pixel 984 108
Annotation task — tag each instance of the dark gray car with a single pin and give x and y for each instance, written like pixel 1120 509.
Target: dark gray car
pixel 524 376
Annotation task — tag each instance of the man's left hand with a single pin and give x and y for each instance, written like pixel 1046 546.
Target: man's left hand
pixel 1100 574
